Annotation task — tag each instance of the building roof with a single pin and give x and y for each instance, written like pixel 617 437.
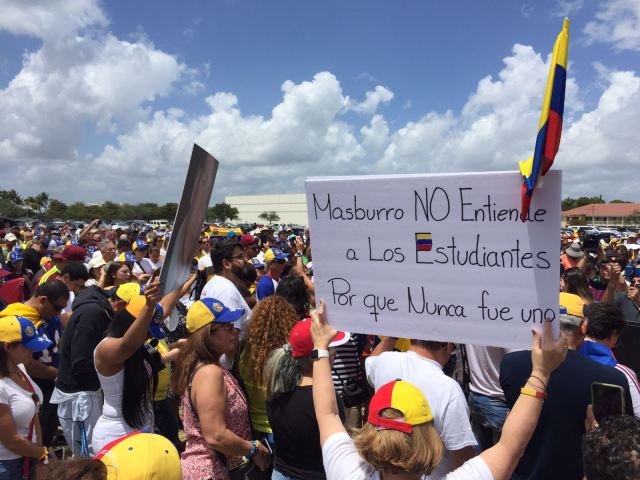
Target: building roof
pixel 604 210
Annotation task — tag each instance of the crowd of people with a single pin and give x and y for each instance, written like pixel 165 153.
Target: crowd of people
pixel 254 383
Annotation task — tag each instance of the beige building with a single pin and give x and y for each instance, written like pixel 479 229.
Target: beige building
pixel 603 215
pixel 291 207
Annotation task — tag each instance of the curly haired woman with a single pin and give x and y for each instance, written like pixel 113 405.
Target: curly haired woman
pixel 271 323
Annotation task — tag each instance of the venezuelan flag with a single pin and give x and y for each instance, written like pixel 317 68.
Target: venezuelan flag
pixel 550 126
pixel 423 242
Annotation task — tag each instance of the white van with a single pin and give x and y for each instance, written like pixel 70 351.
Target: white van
pixel 159 223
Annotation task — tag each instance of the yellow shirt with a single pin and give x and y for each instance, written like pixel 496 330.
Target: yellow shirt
pixel 164 375
pixel 257 399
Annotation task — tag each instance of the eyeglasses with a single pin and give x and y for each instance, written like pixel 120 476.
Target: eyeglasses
pixel 56 307
pixel 237 257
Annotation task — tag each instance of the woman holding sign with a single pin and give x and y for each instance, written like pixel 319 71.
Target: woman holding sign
pixel 399 440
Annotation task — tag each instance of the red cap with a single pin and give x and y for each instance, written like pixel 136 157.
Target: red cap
pixel 72 252
pixel 302 343
pixel 247 240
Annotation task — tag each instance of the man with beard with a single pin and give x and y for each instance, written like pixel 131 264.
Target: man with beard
pixel 228 265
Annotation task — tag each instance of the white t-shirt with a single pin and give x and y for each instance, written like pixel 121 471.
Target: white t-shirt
pixel 68 308
pixel 205 262
pixel 484 367
pixel 444 395
pixel 342 461
pixel 149 266
pixel 224 290
pixel 22 409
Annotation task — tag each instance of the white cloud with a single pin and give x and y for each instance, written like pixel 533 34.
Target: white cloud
pixel 49 18
pixel 567 7
pixel 372 100
pixel 75 85
pixel 617 22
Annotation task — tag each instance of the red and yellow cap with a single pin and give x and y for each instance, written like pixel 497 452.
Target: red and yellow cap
pixel 405 398
pixel 141 456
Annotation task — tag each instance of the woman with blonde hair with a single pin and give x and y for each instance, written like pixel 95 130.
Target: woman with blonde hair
pixel 214 408
pixel 269 328
pixel 399 440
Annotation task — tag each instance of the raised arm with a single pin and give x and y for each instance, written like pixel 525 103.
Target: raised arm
pixel 546 355
pixel 114 351
pixel 324 395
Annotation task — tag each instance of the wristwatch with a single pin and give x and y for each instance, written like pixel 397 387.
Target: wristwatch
pixel 316 354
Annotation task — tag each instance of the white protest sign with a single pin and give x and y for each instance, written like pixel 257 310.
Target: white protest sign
pixel 438 257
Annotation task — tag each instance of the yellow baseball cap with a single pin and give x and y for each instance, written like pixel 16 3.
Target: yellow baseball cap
pixel 210 310
pixel 573 303
pixel 141 456
pixel 126 291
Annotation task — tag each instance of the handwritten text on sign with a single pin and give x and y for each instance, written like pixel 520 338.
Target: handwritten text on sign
pixel 439 257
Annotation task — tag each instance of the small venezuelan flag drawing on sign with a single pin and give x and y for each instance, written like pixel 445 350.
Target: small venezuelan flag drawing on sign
pixel 423 242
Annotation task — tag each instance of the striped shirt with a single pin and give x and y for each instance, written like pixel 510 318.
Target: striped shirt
pixel 634 387
pixel 346 363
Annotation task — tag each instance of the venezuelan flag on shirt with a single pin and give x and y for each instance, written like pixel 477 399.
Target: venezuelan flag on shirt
pixel 550 126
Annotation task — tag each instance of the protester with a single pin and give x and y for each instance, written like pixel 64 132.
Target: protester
pixel 137 456
pixel 573 257
pixel 269 328
pixel 71 253
pixel 20 398
pixel 77 391
pixel 118 273
pixel 294 291
pixel 399 436
pixel 486 399
pixel 554 450
pixel 574 281
pixel 228 264
pixel 605 325
pixel 610 451
pixel 422 366
pixel 128 368
pixel 275 260
pixel 153 262
pixel 289 380
pixel 214 408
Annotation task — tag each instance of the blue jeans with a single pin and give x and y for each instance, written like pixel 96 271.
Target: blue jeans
pixel 487 418
pixel 276 475
pixel 12 469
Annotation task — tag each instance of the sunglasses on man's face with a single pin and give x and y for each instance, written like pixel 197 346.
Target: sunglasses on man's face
pixel 56 307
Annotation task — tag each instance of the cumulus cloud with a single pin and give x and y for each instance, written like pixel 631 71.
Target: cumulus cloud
pixel 50 18
pixel 372 100
pixel 617 22
pixel 80 84
pixel 306 134
pixel 83 80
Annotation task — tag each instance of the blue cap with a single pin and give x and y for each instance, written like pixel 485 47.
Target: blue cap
pixel 257 263
pixel 21 329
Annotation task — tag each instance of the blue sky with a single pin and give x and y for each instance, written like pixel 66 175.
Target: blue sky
pixel 276 90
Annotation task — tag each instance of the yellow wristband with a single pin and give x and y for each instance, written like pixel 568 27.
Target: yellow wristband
pixel 533 393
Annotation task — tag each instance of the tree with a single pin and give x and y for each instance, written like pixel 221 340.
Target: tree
pixel 619 201
pixel 222 211
pixel 42 201
pixel 32 204
pixel 57 209
pixel 270 217
pixel 570 203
